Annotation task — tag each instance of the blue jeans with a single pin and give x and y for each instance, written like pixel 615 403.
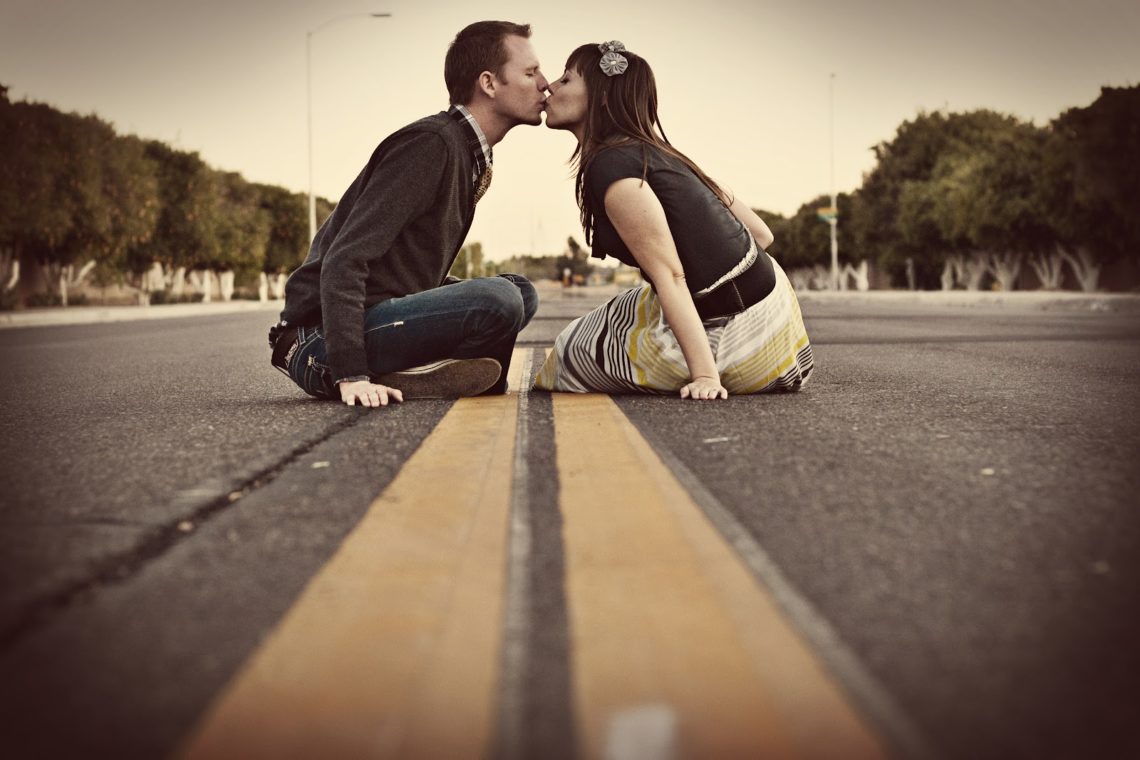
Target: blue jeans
pixel 465 320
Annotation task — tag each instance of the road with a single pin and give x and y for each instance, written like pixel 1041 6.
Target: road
pixel 932 550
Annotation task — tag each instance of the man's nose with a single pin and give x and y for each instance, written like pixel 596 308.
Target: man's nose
pixel 543 85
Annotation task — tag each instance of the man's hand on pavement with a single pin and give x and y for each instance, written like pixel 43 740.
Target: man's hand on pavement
pixel 368 393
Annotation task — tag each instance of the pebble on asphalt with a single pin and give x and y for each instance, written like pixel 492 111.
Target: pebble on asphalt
pixel 319 465
pixel 185 526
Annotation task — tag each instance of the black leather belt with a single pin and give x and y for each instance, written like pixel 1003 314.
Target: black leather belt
pixel 746 289
pixel 282 339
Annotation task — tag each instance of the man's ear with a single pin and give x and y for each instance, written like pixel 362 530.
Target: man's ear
pixel 486 82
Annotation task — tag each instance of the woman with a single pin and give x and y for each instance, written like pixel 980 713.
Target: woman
pixel 718 315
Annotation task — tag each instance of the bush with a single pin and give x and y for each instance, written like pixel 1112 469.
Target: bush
pixel 162 296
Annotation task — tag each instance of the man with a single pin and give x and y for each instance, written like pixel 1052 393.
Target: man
pixel 366 319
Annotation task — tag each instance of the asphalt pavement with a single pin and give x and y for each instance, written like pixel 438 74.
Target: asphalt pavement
pixel 947 514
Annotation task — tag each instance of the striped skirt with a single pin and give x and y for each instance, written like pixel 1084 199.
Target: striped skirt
pixel 625 346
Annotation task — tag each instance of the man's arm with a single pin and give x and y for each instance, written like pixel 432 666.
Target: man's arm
pixel 401 187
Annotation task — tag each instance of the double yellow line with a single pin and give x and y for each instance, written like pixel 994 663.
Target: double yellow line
pixel 394 648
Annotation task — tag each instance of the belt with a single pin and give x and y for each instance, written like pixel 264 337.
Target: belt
pixel 746 289
pixel 283 342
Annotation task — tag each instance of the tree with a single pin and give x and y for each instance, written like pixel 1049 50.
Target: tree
pixel 891 212
pixel 468 262
pixel 243 230
pixel 288 228
pixel 803 242
pixel 186 218
pixel 988 196
pixel 1093 180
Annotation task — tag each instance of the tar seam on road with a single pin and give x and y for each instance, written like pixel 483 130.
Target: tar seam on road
pixel 535 713
pixel 120 567
pixel 876 702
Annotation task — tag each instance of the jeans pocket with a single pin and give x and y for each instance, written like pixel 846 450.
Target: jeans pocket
pixel 317 379
pixel 307 370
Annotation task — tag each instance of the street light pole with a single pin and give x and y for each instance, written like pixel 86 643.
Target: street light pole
pixel 834 221
pixel 309 104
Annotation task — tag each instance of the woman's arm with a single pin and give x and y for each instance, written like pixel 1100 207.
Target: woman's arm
pixel 638 217
pixel 755 224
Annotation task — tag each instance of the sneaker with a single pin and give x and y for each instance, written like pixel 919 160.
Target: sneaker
pixel 450 378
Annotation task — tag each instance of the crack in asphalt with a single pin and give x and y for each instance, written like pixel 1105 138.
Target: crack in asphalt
pixel 122 566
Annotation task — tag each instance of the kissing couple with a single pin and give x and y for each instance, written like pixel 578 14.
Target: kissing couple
pixel 372 315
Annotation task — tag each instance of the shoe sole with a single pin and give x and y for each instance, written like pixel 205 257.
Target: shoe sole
pixel 455 378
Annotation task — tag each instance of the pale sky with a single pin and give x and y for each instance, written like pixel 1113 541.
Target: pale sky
pixel 744 86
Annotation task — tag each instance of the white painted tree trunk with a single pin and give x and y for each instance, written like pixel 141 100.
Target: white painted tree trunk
pixel 152 280
pixel 821 278
pixel 177 283
pixel 1004 268
pixel 947 277
pixel 277 285
pixel 69 278
pixel 226 285
pixel 801 279
pixel 861 277
pixel 843 274
pixel 1048 270
pixel 9 268
pixel 960 269
pixel 975 269
pixel 1086 270
pixel 911 278
pixel 263 287
pixel 208 278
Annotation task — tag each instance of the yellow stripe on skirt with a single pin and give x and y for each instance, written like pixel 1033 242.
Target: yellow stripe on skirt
pixel 625 346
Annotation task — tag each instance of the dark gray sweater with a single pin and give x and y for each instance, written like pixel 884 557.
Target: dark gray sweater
pixel 395 232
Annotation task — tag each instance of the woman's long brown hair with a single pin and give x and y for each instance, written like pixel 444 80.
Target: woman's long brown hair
pixel 619 109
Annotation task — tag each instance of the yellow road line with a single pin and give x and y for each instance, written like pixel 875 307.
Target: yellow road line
pixel 675 646
pixel 393 648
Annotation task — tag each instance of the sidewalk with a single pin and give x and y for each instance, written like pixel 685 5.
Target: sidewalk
pixel 86 315
pixel 1041 300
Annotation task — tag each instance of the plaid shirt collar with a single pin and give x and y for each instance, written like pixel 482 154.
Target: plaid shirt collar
pixel 476 140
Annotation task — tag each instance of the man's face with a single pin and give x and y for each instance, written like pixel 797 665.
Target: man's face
pixel 520 84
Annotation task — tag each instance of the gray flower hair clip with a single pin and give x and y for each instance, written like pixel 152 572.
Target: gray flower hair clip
pixel 613 62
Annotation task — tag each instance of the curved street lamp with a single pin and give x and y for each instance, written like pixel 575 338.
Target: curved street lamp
pixel 309 103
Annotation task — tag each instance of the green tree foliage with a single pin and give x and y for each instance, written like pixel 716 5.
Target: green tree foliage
pixel 807 238
pixel 988 197
pixel 894 213
pixel 71 190
pixel 288 228
pixel 243 228
pixel 468 262
pixel 39 181
pixel 779 224
pixel 186 224
pixel 1093 163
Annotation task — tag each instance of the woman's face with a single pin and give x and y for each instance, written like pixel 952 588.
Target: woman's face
pixel 566 106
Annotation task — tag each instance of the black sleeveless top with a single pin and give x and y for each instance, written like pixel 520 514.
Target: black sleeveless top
pixel 710 240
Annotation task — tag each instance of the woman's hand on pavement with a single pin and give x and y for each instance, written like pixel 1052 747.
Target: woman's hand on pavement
pixel 703 388
pixel 368 393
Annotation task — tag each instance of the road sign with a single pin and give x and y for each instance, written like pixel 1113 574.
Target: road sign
pixel 827 213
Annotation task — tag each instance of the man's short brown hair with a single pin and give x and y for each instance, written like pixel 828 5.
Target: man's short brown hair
pixel 477 48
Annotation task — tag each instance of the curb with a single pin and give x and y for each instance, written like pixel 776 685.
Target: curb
pixel 89 315
pixel 1038 300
